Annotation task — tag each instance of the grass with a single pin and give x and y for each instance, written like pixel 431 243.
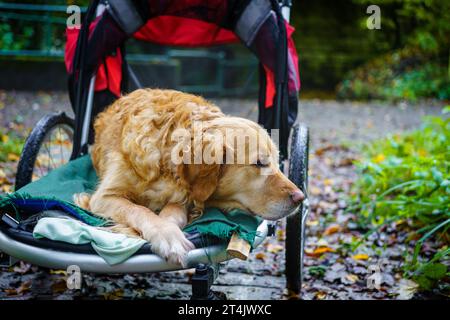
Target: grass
pixel 406 178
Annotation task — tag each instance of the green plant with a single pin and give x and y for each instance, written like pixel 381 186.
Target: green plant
pixel 427 80
pixel 407 178
pixel 409 74
pixel 13 40
pixel 10 147
pixel 317 271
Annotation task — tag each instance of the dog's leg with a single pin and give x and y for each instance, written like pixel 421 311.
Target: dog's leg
pixel 166 238
pixel 175 213
pixel 82 200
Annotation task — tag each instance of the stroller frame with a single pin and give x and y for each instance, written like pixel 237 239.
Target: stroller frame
pixel 205 260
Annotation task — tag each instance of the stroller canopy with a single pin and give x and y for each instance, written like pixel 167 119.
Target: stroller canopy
pixel 97 48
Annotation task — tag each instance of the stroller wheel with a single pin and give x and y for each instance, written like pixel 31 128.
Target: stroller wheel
pixel 295 226
pixel 48 146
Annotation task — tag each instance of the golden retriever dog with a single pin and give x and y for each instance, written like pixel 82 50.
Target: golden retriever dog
pixel 146 189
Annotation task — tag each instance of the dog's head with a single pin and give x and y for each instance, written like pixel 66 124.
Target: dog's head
pixel 236 166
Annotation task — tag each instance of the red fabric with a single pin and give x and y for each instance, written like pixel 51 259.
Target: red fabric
pixel 172 30
pixel 293 79
pixel 103 80
pixel 270 87
pixel 113 78
pixel 292 52
pixel 71 43
pixel 177 31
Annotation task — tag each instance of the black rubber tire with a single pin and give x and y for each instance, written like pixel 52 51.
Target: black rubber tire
pixel 295 224
pixel 33 144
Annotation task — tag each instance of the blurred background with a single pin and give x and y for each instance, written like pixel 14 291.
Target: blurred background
pixel 408 58
pixel 376 102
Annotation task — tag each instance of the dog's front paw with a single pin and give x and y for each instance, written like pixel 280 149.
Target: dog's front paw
pixel 169 242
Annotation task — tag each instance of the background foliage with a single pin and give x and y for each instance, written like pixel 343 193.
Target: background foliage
pixel 332 40
pixel 418 64
pixel 406 179
pixel 408 73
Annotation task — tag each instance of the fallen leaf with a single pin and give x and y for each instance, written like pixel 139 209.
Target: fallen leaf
pixel 281 235
pixel 312 223
pixel 274 248
pixel 321 151
pixel 320 295
pixel 115 295
pixel 327 205
pixel 346 162
pixel 291 295
pixel 400 222
pixel 379 158
pixel 315 191
pixel 25 286
pixel 22 268
pixel 2 174
pixel 59 286
pixel 319 251
pixel 7 188
pixel 11 292
pixel 332 229
pixel 13 157
pixel 352 278
pixel 422 152
pixel 361 256
pixel 260 256
pixel 58 272
pixel 406 289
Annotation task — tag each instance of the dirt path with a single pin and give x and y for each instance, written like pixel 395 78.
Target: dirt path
pixel 336 272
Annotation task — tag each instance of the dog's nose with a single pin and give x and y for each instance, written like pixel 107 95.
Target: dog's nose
pixel 297 196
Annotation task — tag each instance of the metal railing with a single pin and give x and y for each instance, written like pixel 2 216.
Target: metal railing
pixel 49 24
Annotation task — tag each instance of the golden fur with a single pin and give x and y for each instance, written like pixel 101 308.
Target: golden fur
pixel 142 189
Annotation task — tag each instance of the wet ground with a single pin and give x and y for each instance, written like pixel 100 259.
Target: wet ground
pixel 334 269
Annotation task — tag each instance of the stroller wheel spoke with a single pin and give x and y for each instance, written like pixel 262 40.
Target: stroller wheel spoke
pixel 55 150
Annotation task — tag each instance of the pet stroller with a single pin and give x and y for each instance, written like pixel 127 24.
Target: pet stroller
pixel 98 73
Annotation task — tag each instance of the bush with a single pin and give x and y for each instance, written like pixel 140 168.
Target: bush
pixel 407 178
pixel 405 74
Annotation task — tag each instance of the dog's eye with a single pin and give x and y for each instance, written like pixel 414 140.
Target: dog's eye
pixel 260 164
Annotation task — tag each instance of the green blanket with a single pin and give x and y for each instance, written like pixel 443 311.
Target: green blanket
pixel 55 191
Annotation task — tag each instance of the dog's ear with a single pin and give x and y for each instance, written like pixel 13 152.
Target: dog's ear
pixel 202 179
pixel 203 176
